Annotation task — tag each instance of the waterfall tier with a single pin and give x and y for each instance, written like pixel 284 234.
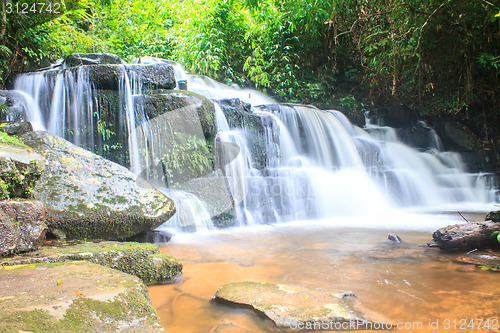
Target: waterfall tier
pixel 231 162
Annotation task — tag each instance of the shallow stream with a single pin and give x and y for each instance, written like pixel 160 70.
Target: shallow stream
pixel 419 287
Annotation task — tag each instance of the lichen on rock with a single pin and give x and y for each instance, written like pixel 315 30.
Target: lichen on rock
pixel 292 306
pixel 142 260
pixel 89 197
pixel 74 297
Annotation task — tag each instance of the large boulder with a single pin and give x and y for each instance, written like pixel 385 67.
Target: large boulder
pixel 88 196
pixel 142 260
pixel 78 59
pixel 466 236
pixel 260 129
pixel 74 297
pixel 22 226
pixel 293 306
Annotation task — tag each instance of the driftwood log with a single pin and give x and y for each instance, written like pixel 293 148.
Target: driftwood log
pixel 466 236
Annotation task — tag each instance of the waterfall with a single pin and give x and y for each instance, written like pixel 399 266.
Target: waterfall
pixel 277 163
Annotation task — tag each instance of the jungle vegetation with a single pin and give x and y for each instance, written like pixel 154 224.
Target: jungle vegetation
pixel 438 57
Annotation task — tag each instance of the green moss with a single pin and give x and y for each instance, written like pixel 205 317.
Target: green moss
pixel 84 314
pixel 12 140
pixel 17 179
pixel 140 259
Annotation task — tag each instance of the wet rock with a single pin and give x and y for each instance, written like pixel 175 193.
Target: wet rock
pixel 111 77
pixel 78 59
pixel 22 226
pixel 11 106
pixel 466 236
pixel 142 260
pixel 493 216
pixel 291 306
pixel 89 197
pixel 261 131
pixel 76 297
pixel 394 239
pixel 484 259
pixel 456 135
pixel 153 76
pixel 16 127
pixel 180 105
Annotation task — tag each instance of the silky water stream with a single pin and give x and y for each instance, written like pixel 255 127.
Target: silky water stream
pixel 419 288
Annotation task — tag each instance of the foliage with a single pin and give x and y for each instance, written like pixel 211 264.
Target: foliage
pixel 17 180
pixel 439 57
pixel 187 158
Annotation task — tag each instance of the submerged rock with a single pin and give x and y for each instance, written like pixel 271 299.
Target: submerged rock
pixel 22 226
pixel 142 260
pixel 74 297
pixel 294 306
pixel 489 260
pixel 90 197
pixel 466 236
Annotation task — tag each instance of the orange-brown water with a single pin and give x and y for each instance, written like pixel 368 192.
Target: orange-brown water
pixel 412 285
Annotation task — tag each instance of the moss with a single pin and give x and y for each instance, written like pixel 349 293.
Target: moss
pixel 140 259
pixel 12 140
pixel 124 304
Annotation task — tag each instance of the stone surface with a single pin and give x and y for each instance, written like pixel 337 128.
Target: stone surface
pixel 259 129
pixel 74 297
pixel 78 59
pixel 493 216
pixel 22 226
pixel 141 260
pixel 16 127
pixel 89 197
pixel 466 236
pixel 289 306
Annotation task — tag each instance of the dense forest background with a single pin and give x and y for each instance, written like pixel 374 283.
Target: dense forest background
pixel 438 58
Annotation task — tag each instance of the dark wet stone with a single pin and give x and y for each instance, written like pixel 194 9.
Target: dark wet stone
pixel 77 59
pixel 16 127
pixel 493 216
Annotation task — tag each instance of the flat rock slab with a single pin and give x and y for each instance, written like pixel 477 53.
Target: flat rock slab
pixel 74 297
pixel 293 306
pixel 142 260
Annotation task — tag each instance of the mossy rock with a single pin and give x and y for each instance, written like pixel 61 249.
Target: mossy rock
pixel 89 197
pixel 142 260
pixel 73 297
pixel 493 216
pixel 290 306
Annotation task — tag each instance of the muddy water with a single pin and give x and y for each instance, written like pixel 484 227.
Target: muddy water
pixel 419 287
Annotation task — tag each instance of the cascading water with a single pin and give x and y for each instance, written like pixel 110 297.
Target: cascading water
pixel 291 162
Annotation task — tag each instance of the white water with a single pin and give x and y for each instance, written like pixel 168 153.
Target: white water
pixel 319 166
